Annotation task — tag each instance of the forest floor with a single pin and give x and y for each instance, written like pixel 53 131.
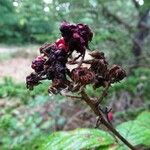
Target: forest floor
pixel 15 61
pixel 37 112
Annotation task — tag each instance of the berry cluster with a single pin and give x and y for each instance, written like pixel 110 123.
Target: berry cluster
pixel 82 76
pixel 105 75
pixel 52 63
pixel 76 37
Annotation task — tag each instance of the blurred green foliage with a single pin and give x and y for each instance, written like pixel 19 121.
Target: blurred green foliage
pixel 22 22
pixel 136 131
pixel 22 114
pixel 140 76
pixel 21 122
pixel 38 22
pixel 11 89
pixel 136 83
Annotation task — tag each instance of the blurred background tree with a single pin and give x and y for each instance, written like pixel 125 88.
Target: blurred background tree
pixel 116 23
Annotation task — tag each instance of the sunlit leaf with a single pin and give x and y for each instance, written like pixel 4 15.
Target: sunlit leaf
pixel 78 139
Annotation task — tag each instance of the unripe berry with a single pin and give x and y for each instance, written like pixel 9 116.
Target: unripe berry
pixel 110 116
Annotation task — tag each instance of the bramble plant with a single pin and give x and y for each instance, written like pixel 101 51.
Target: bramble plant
pixel 53 64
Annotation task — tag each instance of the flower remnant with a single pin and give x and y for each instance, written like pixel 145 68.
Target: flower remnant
pixel 53 64
pixel 54 57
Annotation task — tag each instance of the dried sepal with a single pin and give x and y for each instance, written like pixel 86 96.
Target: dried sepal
pixel 100 82
pixel 58 85
pixel 97 55
pixel 82 75
pixel 99 66
pixel 51 64
pixel 116 73
pixel 32 80
pixel 45 48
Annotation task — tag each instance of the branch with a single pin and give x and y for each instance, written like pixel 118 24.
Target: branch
pixel 73 96
pixel 137 6
pixel 94 107
pixel 108 13
pixel 104 93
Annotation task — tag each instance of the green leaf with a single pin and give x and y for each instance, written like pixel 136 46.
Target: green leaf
pixel 137 132
pixel 78 139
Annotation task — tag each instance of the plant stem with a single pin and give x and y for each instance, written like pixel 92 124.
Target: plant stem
pixel 94 107
pixel 72 96
pixel 104 93
pixel 117 134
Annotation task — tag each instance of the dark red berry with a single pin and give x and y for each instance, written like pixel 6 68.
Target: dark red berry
pixel 32 80
pixel 38 64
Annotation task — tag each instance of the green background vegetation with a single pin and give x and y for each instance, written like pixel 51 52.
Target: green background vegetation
pixel 30 119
